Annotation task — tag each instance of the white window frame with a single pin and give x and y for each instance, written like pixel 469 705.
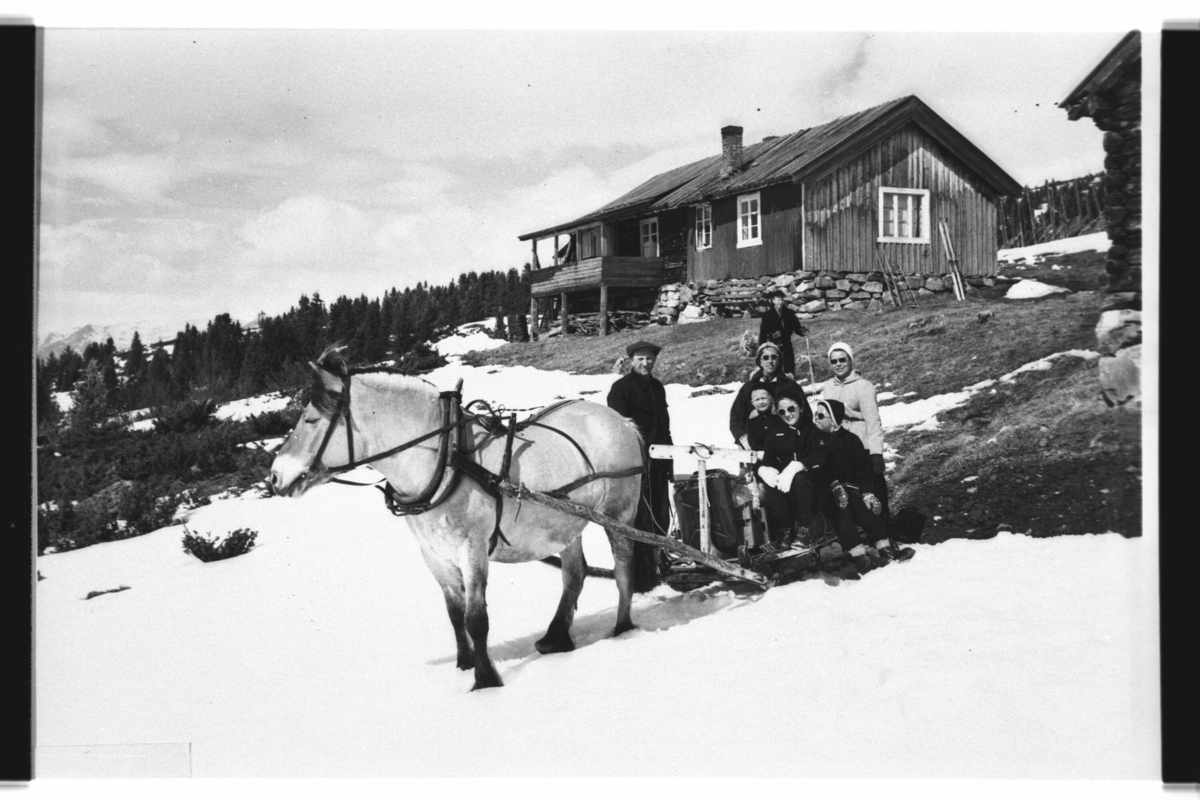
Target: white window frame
pixel 897 205
pixel 653 236
pixel 704 227
pixel 749 220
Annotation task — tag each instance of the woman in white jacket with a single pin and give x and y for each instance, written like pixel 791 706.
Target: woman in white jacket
pixel 857 394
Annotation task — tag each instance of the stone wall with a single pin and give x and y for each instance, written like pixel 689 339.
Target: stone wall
pixel 807 293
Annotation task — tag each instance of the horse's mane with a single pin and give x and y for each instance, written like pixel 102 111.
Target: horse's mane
pixel 333 360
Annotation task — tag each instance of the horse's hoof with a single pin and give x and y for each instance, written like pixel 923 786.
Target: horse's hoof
pixel 465 665
pixel 624 628
pixel 492 682
pixel 547 646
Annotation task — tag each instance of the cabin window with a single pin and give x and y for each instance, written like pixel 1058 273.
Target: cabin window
pixel 749 220
pixel 904 215
pixel 703 227
pixel 650 238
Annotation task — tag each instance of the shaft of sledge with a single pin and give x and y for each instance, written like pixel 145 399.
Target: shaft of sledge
pixel 620 528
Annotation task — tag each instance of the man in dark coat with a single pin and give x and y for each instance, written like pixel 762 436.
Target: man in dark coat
pixel 642 398
pixel 769 374
pixel 847 493
pixel 779 324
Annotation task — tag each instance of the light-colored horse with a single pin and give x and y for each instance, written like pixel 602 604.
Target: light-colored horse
pixel 386 410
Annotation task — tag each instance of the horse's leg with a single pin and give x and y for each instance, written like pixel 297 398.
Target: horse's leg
pixel 623 572
pixel 574 570
pixel 450 578
pixel 476 575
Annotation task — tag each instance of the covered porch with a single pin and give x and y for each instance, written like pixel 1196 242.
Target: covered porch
pixel 617 259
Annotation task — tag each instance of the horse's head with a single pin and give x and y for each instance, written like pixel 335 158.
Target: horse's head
pixel 319 437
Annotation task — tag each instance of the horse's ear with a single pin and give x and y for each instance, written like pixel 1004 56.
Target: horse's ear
pixel 331 382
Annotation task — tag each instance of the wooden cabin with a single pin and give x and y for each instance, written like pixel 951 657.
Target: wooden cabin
pixel 829 198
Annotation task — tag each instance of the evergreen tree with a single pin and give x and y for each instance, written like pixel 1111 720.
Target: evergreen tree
pixel 90 400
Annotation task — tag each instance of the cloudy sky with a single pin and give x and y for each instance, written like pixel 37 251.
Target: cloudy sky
pixel 187 173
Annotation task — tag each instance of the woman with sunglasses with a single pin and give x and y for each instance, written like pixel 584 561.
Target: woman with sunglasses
pixel 769 373
pixel 857 394
pixel 791 454
pixel 846 493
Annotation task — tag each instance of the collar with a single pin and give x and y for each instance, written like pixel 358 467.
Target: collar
pixel 851 378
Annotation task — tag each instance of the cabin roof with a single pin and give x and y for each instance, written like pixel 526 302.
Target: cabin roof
pixel 1105 74
pixel 807 154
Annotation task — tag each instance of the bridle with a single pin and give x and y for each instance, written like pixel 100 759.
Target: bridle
pixel 452 422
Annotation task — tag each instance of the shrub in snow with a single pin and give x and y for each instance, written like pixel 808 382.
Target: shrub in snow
pixel 210 549
pixel 188 416
pixel 274 423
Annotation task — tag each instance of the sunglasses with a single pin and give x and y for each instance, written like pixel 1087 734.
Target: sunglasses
pixel 839 361
pixel 821 415
pixel 789 409
pixel 770 358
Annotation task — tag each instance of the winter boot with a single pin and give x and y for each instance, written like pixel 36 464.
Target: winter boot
pixel 889 552
pixel 861 560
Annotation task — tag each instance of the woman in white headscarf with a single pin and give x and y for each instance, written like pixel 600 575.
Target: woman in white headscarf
pixel 857 394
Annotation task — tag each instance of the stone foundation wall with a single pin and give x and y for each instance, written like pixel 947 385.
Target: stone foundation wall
pixel 807 293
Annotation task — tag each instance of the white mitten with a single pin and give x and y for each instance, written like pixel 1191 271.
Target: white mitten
pixel 789 472
pixel 770 476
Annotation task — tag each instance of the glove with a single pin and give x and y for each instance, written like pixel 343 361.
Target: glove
pixel 744 442
pixel 840 495
pixel 787 474
pixel 877 463
pixel 873 503
pixel 777 336
pixel 769 475
pixel 803 331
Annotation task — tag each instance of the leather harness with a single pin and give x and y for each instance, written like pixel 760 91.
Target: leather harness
pixel 453 454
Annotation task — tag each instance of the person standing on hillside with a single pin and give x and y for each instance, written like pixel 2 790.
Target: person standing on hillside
pixel 642 398
pixel 779 324
pixel 857 395
pixel 769 373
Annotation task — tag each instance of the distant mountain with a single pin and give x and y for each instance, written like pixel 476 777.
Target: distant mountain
pixel 150 331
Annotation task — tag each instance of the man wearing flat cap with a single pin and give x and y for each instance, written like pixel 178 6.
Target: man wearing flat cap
pixel 641 397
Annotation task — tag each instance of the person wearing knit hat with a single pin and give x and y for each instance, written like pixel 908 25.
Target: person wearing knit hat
pixel 862 412
pixel 769 373
pixel 779 324
pixel 641 398
pixel 793 452
pixel 847 492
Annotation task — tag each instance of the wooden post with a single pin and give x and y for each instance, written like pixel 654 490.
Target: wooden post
pixel 533 320
pixel 562 313
pixel 702 489
pixel 604 309
pixel 556 249
pixel 533 261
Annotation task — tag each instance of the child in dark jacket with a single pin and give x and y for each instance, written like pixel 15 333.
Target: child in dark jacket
pixel 847 491
pixel 763 418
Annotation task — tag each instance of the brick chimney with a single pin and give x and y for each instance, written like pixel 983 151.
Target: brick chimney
pixel 731 150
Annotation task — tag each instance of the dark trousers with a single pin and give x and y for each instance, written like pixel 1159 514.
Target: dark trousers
pixel 653 516
pixel 796 506
pixel 787 358
pixel 855 514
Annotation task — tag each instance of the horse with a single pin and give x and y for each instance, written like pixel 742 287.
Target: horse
pixel 401 425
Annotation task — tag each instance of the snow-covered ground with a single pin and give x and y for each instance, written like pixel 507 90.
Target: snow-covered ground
pixel 1076 244
pixel 326 652
pixel 1031 289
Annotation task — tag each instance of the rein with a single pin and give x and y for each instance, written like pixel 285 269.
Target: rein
pixel 453 453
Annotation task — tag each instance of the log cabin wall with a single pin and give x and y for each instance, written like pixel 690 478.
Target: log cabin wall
pixel 841 210
pixel 780 248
